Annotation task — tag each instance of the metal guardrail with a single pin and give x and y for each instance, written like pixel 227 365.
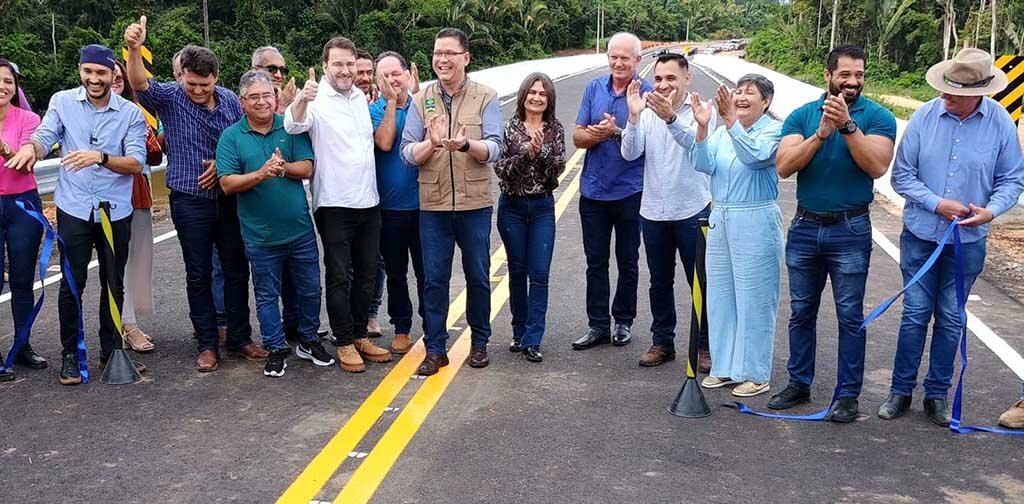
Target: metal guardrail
pixel 48 169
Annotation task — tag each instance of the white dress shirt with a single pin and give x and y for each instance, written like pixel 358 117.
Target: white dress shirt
pixel 345 174
pixel 673 189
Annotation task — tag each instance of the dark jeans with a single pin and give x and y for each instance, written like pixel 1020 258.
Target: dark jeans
pixel 933 296
pixel 19 243
pixel 527 228
pixel 301 259
pixel 80 238
pixel 439 233
pixel 816 252
pixel 351 239
pixel 662 241
pixel 400 242
pixel 202 223
pixel 218 287
pixel 599 220
pixel 378 288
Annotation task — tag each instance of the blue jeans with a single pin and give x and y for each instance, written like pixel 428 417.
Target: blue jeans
pixel 934 295
pixel 662 241
pixel 218 288
pixel 842 253
pixel 400 242
pixel 527 228
pixel 439 233
pixel 202 223
pixel 301 259
pixel 599 219
pixel 19 243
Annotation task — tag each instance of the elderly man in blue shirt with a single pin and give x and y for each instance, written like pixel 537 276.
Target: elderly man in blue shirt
pixel 102 141
pixel 610 194
pixel 959 157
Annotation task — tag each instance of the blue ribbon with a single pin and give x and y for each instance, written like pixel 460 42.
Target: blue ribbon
pixel 44 263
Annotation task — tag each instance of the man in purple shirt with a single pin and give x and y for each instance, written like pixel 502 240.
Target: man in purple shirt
pixel 610 196
pixel 194 114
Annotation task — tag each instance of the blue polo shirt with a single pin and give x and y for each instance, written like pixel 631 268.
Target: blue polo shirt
pixel 606 175
pixel 396 181
pixel 275 211
pixel 832 181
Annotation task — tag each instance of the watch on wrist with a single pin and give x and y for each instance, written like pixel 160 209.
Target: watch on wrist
pixel 849 127
pixel 104 158
pixel 672 119
pixel 465 146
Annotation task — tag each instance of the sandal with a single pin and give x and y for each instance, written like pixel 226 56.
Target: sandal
pixel 137 340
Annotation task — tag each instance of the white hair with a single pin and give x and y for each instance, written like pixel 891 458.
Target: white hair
pixel 626 37
pixel 258 54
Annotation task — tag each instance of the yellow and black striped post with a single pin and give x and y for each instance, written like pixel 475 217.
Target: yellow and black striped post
pixel 1010 98
pixel 147 60
pixel 690 402
pixel 120 370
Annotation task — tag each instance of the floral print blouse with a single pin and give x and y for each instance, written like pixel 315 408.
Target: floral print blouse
pixel 522 175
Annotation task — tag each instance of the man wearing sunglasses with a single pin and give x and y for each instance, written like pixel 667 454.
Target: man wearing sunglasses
pixel 270 60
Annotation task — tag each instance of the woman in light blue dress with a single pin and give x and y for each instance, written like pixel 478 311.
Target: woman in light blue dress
pixel 744 244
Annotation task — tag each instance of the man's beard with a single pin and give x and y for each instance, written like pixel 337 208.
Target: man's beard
pixel 838 91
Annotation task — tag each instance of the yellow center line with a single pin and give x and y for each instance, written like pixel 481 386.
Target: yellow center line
pixel 313 478
pixel 375 467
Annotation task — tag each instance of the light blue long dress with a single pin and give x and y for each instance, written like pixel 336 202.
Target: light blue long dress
pixel 744 247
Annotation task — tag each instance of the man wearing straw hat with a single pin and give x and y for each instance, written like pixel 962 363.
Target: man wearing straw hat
pixel 959 158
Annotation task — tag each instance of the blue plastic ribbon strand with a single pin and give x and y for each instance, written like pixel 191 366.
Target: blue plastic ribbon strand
pixel 44 264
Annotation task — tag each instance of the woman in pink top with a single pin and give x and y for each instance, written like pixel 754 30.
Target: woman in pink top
pixel 19 233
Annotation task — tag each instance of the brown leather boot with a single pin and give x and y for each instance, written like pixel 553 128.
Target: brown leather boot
pixel 657 355
pixel 432 363
pixel 703 361
pixel 371 352
pixel 401 344
pixel 206 361
pixel 250 352
pixel 349 359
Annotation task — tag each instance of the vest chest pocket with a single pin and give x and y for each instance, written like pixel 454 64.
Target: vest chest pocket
pixel 473 125
pixel 430 191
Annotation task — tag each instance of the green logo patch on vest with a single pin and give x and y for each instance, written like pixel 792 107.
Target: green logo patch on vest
pixel 431 105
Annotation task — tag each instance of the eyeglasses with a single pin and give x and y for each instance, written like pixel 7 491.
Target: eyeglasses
pixel 273 69
pixel 448 54
pixel 255 98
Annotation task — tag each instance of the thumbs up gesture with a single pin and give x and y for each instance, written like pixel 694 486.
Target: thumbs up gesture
pixel 135 34
pixel 309 90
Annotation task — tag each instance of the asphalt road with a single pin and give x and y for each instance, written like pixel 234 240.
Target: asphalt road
pixel 585 426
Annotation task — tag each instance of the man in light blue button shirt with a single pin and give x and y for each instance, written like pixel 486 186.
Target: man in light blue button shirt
pixel 102 141
pixel 959 157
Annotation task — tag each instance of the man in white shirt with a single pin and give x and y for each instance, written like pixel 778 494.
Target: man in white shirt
pixel 675 196
pixel 346 206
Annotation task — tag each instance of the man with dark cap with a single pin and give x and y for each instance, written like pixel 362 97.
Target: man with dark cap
pixel 102 140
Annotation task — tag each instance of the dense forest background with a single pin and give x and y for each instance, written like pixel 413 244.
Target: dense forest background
pixel 903 36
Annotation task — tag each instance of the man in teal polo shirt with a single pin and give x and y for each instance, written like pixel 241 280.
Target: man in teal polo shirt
pixel 258 160
pixel 837 145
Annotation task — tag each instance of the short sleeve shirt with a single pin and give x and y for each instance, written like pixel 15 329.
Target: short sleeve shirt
pixel 832 181
pixel 396 182
pixel 276 210
pixel 606 175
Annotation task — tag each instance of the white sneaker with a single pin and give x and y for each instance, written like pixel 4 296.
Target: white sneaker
pixel 716 382
pixel 750 389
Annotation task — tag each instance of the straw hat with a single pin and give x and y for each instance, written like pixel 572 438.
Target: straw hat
pixel 969 73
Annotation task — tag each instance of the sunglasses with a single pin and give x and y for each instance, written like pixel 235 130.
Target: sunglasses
pixel 273 69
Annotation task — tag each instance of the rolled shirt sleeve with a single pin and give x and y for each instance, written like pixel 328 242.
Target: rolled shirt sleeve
pixel 492 130
pixel 412 134
pixel 134 143
pixel 159 95
pixel 294 127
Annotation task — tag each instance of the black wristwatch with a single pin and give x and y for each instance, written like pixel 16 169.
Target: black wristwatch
pixel 465 146
pixel 104 158
pixel 849 127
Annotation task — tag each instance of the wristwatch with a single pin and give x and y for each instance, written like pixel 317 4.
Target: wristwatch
pixel 465 146
pixel 104 158
pixel 849 127
pixel 672 119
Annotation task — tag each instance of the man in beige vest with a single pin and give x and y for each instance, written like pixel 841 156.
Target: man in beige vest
pixel 453 132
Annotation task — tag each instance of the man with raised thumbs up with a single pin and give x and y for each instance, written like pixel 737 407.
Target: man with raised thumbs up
pixel 346 207
pixel 194 113
pixel 265 167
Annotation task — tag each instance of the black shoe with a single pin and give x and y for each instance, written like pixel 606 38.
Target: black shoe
pixel 69 373
pixel 277 362
pixel 592 338
pixel 621 335
pixel 845 410
pixel 516 346
pixel 937 411
pixel 478 357
pixel 322 333
pixel 789 397
pixel 314 352
pixel 431 364
pixel 5 373
pixel 28 358
pixel 532 354
pixel 894 406
pixel 291 335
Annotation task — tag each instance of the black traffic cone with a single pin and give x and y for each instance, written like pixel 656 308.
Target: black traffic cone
pixel 120 369
pixel 690 402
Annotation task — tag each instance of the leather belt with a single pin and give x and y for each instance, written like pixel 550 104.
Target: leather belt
pixel 830 217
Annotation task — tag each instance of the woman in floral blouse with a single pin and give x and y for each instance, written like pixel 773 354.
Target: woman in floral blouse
pixel 532 160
